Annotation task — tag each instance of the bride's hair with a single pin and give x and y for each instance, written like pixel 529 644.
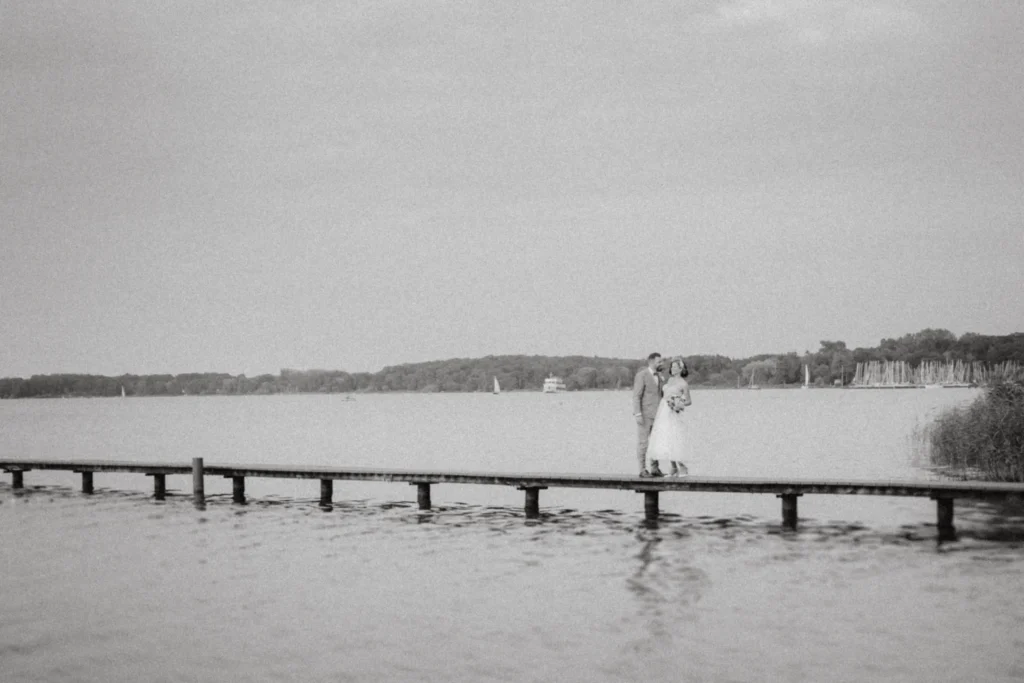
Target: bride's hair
pixel 684 371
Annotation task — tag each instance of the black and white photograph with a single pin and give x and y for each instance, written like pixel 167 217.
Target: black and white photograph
pixel 470 342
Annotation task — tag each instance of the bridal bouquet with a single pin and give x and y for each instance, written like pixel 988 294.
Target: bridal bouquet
pixel 675 403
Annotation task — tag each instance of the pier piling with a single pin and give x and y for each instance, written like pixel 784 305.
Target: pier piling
pixel 532 500
pixel 17 479
pixel 159 486
pixel 423 495
pixel 326 492
pixel 86 482
pixel 944 508
pixel 198 491
pixel 238 490
pixel 651 505
pixel 789 510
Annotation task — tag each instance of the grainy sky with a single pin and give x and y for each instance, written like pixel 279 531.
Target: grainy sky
pixel 193 185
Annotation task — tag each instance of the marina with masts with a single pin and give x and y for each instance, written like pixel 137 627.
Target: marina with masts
pixel 932 374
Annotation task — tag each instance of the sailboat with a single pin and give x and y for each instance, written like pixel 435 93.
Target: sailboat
pixel 497 389
pixel 752 385
pixel 807 378
pixel 122 391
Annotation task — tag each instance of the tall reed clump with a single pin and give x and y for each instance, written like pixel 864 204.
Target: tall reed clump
pixel 984 439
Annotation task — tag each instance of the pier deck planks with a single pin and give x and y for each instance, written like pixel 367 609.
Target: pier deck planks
pixel 778 486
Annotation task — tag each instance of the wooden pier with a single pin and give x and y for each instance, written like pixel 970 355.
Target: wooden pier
pixel 788 490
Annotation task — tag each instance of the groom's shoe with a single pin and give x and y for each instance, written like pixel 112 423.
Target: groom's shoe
pixel 656 472
pixel 645 473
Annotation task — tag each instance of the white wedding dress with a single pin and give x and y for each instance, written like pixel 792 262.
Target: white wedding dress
pixel 669 437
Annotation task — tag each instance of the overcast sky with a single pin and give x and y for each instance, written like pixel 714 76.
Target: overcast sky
pixel 193 185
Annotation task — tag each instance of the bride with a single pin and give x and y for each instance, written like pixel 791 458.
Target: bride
pixel 669 440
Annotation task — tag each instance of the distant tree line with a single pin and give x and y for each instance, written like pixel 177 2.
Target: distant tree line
pixel 831 364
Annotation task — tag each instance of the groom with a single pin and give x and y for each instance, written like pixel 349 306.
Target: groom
pixel 646 395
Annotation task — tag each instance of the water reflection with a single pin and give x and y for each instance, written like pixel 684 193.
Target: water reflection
pixel 666 583
pixel 975 521
pixel 999 521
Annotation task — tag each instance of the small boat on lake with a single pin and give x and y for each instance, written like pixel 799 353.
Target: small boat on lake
pixel 497 387
pixel 553 385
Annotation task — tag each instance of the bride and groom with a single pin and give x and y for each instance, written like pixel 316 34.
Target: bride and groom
pixel 658 405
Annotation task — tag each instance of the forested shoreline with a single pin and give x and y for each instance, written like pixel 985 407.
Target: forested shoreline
pixel 832 364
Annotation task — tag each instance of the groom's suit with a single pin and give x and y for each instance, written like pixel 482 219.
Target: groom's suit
pixel 646 396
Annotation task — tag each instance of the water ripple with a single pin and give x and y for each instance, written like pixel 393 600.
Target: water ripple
pixel 979 525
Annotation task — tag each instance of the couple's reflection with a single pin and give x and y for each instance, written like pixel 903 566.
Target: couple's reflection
pixel 666 583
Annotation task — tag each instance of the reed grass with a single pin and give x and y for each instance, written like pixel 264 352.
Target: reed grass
pixel 983 440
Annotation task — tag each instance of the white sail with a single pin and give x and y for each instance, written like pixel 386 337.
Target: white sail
pixel 497 389
pixel 807 377
pixel 122 391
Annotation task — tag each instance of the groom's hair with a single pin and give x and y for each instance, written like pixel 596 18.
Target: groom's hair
pixel 654 355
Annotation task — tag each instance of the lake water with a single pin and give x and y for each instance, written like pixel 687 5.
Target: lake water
pixel 119 587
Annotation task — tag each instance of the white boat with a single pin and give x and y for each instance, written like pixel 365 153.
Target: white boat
pixel 497 389
pixel 553 385
pixel 807 378
pixel 752 385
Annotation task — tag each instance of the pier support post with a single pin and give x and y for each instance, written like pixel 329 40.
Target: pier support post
pixel 86 482
pixel 532 500
pixel 326 492
pixel 789 509
pixel 159 485
pixel 423 495
pixel 651 505
pixel 238 490
pixel 17 479
pixel 198 491
pixel 944 518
